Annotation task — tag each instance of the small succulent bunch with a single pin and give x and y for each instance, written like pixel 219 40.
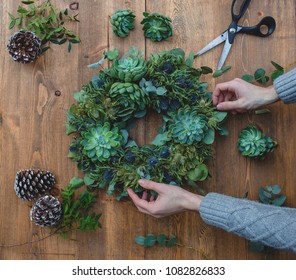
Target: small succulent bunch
pixel 107 106
pixel 65 213
pixel 122 22
pixel 39 25
pixel 157 27
pixel 254 143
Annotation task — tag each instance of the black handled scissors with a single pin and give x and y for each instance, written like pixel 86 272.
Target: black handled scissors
pixel 229 35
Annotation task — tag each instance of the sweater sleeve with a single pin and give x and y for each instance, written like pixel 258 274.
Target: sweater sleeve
pixel 271 225
pixel 285 86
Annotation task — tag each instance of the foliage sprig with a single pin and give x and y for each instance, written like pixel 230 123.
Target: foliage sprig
pixel 76 210
pixel 47 22
pixel 151 239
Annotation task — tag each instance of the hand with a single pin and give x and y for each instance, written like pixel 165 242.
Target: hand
pixel 170 200
pixel 239 96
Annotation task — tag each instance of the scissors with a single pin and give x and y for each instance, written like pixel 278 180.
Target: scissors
pixel 229 35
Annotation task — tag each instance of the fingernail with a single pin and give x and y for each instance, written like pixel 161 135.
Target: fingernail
pixel 219 106
pixel 141 181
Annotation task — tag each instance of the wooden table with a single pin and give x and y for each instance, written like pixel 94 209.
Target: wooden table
pixel 32 130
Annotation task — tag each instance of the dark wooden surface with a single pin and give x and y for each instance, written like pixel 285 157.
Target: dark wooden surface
pixel 32 130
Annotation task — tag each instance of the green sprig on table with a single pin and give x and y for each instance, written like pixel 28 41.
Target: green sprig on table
pixel 47 22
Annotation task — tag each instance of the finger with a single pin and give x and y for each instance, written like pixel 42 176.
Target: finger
pixel 137 201
pixel 218 91
pixel 150 185
pixel 145 195
pixel 229 105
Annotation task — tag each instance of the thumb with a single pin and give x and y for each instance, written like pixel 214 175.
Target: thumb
pixel 228 105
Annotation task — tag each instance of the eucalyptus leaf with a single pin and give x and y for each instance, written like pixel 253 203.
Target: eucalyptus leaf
pixel 209 137
pixel 149 240
pixel 217 73
pixel 76 182
pixel 248 78
pixel 275 189
pixel 140 240
pixel 97 64
pixel 161 239
pixel 206 70
pixel 279 201
pixel 277 66
pixel 189 61
pixel 88 181
pixel 161 139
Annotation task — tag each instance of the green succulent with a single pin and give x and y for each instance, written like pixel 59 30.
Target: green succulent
pixel 130 68
pixel 122 22
pixel 253 142
pixel 129 99
pixel 100 142
pixel 157 27
pixel 187 126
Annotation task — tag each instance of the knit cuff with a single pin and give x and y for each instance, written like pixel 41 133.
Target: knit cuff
pixel 215 209
pixel 285 86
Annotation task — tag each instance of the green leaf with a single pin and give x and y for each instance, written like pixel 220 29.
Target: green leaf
pixel 276 73
pixel 69 47
pixel 140 240
pixel 76 182
pixel 87 180
pixel 256 247
pixel 277 66
pixel 112 54
pixel 22 10
pixel 260 76
pixel 275 189
pixel 279 201
pixel 248 78
pixel 210 137
pixel 172 242
pixel 220 116
pixel 161 139
pixel 198 174
pixel 225 69
pixel 206 70
pixel 149 240
pixel 161 91
pixel 190 59
pixel 28 2
pixel 161 239
pixel 12 24
pixel 96 65
pixel 262 111
pixel 217 73
pixel 75 40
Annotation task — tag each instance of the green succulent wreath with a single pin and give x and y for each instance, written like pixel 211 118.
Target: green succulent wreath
pixel 107 106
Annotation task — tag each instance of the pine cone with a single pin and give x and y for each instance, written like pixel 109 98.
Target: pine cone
pixel 30 184
pixel 122 22
pixel 46 212
pixel 24 46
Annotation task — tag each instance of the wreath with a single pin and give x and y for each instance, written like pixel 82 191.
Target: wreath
pixel 107 107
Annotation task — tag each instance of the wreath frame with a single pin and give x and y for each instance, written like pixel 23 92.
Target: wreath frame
pixel 107 106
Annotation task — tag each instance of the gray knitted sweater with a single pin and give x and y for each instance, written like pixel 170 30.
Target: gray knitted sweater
pixel 271 225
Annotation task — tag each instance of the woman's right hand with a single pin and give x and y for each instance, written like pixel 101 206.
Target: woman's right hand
pixel 239 96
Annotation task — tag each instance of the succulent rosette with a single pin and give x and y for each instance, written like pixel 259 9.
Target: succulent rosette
pixel 122 22
pixel 130 68
pixel 106 108
pixel 100 142
pixel 254 143
pixel 188 126
pixel 157 27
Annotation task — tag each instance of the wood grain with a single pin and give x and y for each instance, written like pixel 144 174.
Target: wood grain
pixel 32 130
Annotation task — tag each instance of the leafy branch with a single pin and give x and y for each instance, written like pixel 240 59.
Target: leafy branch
pixel 47 22
pixel 261 77
pixel 76 210
pixel 151 240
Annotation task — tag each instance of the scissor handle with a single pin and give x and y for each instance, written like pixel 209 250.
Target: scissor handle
pixel 256 30
pixel 243 9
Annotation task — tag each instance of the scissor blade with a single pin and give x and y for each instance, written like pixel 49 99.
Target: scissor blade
pixel 224 54
pixel 220 39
